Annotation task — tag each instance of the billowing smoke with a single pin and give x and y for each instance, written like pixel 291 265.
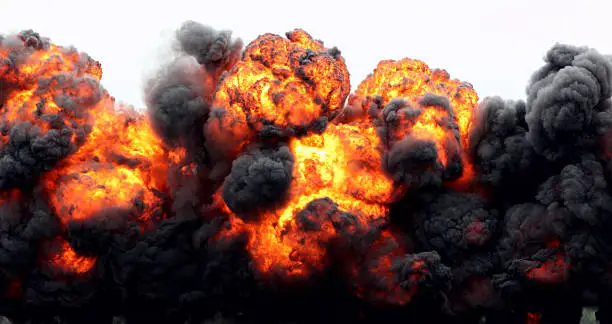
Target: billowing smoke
pixel 259 178
pixel 498 143
pixel 179 96
pixel 568 101
pixel 255 189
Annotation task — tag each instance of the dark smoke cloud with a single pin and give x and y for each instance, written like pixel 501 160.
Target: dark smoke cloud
pixel 178 102
pixel 423 271
pixel 527 228
pixel 581 189
pixel 567 101
pixel 453 223
pixel 498 144
pixel 214 50
pixel 566 230
pixel 460 227
pixel 24 221
pixel 259 178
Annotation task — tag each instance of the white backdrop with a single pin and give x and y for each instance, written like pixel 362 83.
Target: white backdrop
pixel 495 45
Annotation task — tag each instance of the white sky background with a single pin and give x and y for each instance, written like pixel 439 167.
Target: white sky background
pixel 495 45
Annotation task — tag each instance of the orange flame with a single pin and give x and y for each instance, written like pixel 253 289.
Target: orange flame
pixel 31 102
pixel 292 83
pixel 284 82
pixel 68 261
pixel 121 164
pixel 121 160
pixel 342 164
pixel 412 79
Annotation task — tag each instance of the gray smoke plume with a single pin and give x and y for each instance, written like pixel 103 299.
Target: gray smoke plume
pixel 179 95
pixel 567 101
pixel 214 50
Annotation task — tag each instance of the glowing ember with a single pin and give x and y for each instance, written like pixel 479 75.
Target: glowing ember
pixel 533 318
pixel 68 261
pixel 378 269
pixel 552 271
pixel 13 290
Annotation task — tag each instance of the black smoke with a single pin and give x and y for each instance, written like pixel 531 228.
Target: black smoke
pixel 259 178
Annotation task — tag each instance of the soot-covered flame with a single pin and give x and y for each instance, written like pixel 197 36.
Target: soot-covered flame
pixel 46 98
pixel 411 79
pixel 299 195
pixel 533 318
pixel 113 159
pixel 381 256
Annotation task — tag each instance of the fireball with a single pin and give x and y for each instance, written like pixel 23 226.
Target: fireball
pixel 341 165
pixel 413 81
pixel 291 83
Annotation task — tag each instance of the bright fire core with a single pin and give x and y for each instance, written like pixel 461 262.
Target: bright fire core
pixel 342 164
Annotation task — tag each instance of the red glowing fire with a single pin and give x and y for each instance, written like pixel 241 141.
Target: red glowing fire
pixel 96 177
pixel 551 271
pixel 533 318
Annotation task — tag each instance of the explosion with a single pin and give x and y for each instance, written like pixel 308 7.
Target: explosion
pixel 255 188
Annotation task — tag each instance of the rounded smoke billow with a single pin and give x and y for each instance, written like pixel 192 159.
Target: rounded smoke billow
pixel 258 179
pixel 567 101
